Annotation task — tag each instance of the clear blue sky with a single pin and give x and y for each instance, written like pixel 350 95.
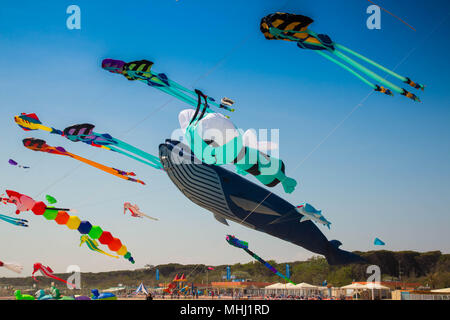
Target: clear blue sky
pixel 383 173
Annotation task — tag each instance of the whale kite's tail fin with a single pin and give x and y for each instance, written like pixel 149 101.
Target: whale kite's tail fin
pixel 337 256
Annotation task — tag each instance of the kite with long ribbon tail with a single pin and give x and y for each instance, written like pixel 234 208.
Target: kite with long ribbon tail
pixel 14 221
pixel 135 211
pixel 141 70
pixel 85 133
pixel 14 267
pixel 25 203
pixel 93 245
pixel 293 27
pixel 47 272
pixel 235 242
pixel 42 146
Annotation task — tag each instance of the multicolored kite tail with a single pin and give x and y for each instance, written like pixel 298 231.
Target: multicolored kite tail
pixel 141 70
pixel 235 242
pixel 294 27
pixel 42 146
pixel 84 133
pixel 25 203
pixel 14 221
pixel 93 245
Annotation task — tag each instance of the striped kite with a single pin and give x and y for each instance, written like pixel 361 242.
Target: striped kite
pixel 293 27
pixel 42 146
pixel 85 133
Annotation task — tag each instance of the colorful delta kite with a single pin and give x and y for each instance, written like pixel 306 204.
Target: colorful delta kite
pixel 93 245
pixel 310 213
pixel 293 27
pixel 14 221
pixel 47 272
pixel 215 140
pixel 14 267
pixel 135 211
pixel 378 242
pixel 85 133
pixel 14 163
pixel 42 146
pixel 235 242
pixel 141 70
pixel 61 217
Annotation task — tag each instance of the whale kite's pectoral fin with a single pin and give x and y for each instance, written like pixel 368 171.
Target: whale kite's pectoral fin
pixel 221 219
pixel 305 218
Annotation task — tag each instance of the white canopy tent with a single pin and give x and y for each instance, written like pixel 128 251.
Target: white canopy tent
pixel 445 290
pixel 305 289
pixel 355 287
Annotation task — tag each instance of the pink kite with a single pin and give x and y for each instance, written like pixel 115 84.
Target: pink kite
pixel 17 268
pixel 135 211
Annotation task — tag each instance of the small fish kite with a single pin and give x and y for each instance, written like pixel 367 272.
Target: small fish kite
pixel 85 133
pixel 14 163
pixel 47 272
pixel 310 213
pixel 50 199
pixel 93 245
pixel 14 267
pixel 141 70
pixel 293 27
pixel 14 221
pixel 378 242
pixel 42 146
pixel 135 211
pixel 25 203
pixel 235 242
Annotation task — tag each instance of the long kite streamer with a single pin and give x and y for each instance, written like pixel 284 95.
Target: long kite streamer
pixel 42 146
pixel 85 133
pixel 47 272
pixel 14 221
pixel 15 267
pixel 25 203
pixel 235 242
pixel 141 71
pixel 93 245
pixel 293 27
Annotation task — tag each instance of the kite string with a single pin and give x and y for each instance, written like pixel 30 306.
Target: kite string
pixel 349 114
pixel 392 14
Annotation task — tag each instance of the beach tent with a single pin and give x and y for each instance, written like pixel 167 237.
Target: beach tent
pixel 355 287
pixel 375 286
pixel 446 290
pixel 141 289
pixel 304 289
pixel 273 288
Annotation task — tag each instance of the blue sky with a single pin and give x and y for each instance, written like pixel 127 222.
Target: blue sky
pixel 383 173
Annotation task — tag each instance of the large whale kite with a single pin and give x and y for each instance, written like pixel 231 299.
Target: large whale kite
pixel 231 197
